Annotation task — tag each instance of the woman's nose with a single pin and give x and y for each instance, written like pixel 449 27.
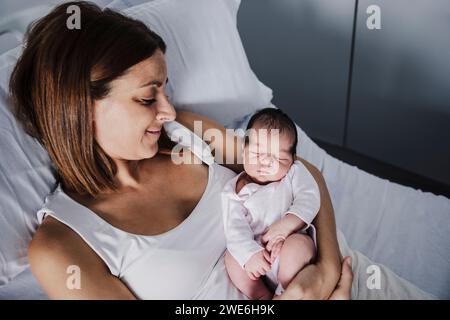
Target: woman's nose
pixel 165 111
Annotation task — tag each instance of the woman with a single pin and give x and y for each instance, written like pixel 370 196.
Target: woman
pixel 134 224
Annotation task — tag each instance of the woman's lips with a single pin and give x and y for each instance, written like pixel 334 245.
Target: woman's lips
pixel 153 132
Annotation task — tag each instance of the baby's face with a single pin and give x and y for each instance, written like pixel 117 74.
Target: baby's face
pixel 267 155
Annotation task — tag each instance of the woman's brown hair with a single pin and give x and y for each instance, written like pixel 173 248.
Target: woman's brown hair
pixel 60 74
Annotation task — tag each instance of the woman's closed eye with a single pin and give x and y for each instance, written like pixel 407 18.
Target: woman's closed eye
pixel 147 102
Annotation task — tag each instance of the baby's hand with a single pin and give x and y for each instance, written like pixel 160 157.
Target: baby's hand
pixel 275 248
pixel 281 229
pixel 258 265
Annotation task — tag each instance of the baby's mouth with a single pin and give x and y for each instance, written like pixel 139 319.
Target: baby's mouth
pixel 263 172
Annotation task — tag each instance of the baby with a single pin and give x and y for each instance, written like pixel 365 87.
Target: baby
pixel 268 209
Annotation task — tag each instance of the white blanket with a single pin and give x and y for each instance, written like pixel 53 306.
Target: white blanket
pixel 405 229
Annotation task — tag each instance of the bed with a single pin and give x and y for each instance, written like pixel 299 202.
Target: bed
pixel 405 229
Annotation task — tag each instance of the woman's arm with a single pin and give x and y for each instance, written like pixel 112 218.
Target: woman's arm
pixel 226 146
pixel 54 248
pixel 318 281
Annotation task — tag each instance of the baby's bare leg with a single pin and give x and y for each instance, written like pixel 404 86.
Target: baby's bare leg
pixel 298 250
pixel 253 289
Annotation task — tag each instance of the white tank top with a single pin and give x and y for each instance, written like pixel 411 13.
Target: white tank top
pixel 185 262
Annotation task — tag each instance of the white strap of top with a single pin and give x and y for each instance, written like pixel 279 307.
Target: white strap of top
pixel 187 139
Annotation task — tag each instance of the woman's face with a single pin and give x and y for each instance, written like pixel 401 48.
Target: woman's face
pixel 129 120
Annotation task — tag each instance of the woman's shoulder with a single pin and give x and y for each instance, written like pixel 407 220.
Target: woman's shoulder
pixel 50 236
pixel 55 247
pixel 58 257
pixel 54 239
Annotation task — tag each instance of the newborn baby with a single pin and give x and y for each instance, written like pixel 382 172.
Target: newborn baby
pixel 268 209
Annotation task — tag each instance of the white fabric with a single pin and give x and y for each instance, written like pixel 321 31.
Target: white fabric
pixel 402 228
pixel 187 262
pixel 9 40
pixel 405 229
pixel 23 287
pixel 389 286
pixel 185 139
pixel 174 265
pixel 26 174
pixel 207 67
pixel 119 5
pixel 249 213
pixel 26 177
pixel 217 284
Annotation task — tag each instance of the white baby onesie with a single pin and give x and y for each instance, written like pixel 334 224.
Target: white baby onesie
pixel 250 212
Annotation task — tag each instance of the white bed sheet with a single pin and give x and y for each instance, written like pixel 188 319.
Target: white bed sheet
pixel 23 287
pixel 405 229
pixel 9 40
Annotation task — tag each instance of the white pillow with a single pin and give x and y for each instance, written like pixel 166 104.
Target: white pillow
pixel 26 177
pixel 9 40
pixel 208 69
pixel 26 174
pixel 119 5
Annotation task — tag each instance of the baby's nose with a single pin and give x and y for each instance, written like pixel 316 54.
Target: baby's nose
pixel 266 160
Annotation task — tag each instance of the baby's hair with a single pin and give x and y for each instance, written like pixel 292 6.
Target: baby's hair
pixel 271 118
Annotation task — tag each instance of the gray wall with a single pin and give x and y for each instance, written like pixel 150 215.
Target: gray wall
pixel 400 102
pixel 301 49
pixel 395 107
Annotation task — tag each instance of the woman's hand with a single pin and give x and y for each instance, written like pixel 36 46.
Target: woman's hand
pixel 310 284
pixel 343 290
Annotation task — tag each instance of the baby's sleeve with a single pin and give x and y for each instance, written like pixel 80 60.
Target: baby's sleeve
pixel 306 194
pixel 240 238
